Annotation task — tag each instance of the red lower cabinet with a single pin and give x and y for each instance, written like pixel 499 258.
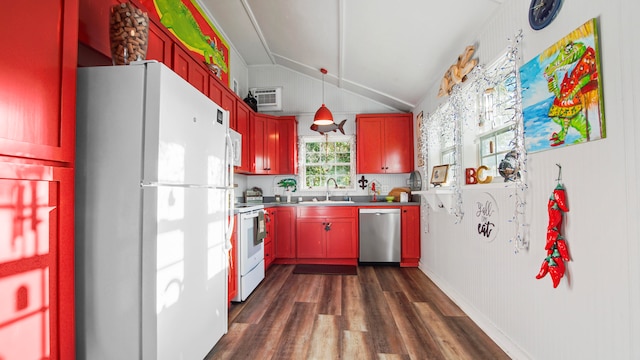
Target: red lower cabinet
pixel 233 263
pixel 327 235
pixel 269 222
pixel 285 234
pixel 410 244
pixel 37 262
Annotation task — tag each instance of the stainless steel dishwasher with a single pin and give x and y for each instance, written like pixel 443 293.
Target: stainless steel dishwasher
pixel 379 235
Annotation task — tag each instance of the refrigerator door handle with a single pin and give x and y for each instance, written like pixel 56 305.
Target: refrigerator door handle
pixel 229 191
pixel 188 186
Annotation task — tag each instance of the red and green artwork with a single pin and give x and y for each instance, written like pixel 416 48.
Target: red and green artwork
pixel 562 92
pixel 186 20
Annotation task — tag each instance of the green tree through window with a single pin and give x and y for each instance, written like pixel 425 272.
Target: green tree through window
pixel 323 157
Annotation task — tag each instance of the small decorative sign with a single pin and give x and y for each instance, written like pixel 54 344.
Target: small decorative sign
pixel 485 217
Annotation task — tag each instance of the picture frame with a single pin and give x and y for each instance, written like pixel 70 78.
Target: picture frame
pixel 439 174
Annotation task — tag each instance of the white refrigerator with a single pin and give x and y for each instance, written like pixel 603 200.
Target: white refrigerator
pixel 154 193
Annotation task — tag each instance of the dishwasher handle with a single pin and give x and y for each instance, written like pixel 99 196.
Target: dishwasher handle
pixel 379 211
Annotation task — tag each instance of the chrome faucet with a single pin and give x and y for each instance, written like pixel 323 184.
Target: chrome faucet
pixel 334 181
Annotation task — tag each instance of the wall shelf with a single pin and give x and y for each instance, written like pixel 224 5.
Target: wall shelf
pixel 439 199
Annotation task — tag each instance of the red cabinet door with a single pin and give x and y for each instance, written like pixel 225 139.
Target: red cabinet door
pixel 244 117
pixel 233 263
pixel 288 149
pixel 311 238
pixel 38 79
pixel 37 263
pixel 369 146
pixel 185 66
pixel 215 94
pixel 272 144
pixel 228 103
pixel 341 238
pixel 398 149
pixel 285 234
pixel 410 243
pixel 258 131
pixel 159 47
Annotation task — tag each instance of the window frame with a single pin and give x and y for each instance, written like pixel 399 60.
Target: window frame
pixel 302 162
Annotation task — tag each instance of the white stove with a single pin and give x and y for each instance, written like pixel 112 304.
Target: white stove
pixel 247 207
pixel 249 249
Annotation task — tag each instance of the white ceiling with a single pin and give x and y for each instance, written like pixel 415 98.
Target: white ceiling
pixel 389 51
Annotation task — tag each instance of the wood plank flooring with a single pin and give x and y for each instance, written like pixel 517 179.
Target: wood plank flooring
pixel 382 313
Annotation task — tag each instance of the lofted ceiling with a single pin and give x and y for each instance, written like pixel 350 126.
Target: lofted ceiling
pixel 389 51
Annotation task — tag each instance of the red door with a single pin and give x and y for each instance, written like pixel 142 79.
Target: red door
pixel 410 235
pixel 36 262
pixel 341 238
pixel 285 247
pixel 311 238
pixel 37 121
pixel 233 263
pixel 369 146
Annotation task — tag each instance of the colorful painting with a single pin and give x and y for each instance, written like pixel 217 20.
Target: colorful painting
pixel 562 92
pixel 186 20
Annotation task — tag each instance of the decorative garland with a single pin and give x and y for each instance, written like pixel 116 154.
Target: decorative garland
pixel 460 109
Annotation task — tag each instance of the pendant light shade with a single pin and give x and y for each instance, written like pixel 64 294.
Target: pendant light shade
pixel 323 115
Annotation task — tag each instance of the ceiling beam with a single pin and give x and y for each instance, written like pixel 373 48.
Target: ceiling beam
pixel 254 22
pixel 341 40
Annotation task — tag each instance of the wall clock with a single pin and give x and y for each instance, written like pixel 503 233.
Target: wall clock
pixel 542 12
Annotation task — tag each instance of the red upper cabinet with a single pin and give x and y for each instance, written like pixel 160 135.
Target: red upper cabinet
pixel 185 66
pixel 38 79
pixel 215 91
pixel 288 136
pixel 384 143
pixel 244 118
pixel 265 143
pixel 160 45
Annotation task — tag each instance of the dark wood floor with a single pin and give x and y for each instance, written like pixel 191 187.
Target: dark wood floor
pixel 382 313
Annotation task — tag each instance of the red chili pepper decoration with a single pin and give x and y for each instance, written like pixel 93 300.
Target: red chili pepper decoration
pixel 560 196
pixel 556 246
pixel 556 271
pixel 562 248
pixel 544 269
pixel 552 236
pixel 555 217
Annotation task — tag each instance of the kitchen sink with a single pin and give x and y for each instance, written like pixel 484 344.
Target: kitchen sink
pixel 325 202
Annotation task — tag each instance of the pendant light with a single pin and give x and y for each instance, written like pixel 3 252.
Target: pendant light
pixel 323 115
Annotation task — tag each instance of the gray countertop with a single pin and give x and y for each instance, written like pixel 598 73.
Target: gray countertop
pixel 355 203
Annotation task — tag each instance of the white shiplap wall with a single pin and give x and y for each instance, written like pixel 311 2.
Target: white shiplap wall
pixel 594 313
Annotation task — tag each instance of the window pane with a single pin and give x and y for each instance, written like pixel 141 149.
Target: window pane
pixel 312 147
pixel 491 163
pixel 343 158
pixel 313 158
pixel 487 146
pixel 343 181
pixel 343 170
pixel 503 140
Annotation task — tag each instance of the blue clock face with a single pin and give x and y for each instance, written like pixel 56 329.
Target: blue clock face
pixel 542 12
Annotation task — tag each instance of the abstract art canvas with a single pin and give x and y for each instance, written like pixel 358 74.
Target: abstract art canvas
pixel 562 97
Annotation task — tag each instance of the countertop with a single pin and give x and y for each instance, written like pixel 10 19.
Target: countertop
pixel 355 203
